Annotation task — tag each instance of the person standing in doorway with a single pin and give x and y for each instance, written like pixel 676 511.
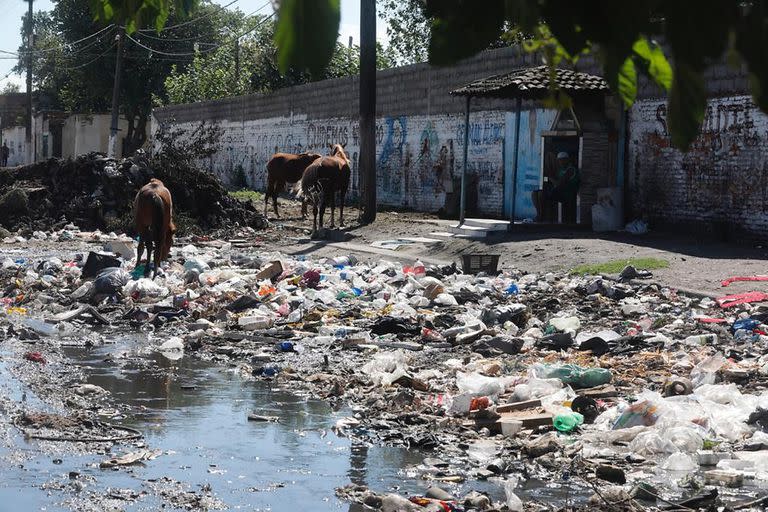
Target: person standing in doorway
pixel 4 154
pixel 562 189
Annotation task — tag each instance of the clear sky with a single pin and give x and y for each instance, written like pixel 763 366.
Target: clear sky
pixel 10 27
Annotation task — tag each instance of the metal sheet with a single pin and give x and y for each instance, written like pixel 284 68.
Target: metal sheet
pixel 533 123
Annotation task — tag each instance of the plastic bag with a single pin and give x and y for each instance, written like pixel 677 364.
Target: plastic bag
pixel 720 393
pixel 110 280
pixel 514 503
pixel 704 372
pixel 651 442
pixel 687 439
pixel 172 349
pixel 637 227
pixel 643 413
pixel 446 299
pixel 386 367
pixel 536 388
pixel 480 385
pixel 196 264
pixel 574 375
pixel 679 462
pixel 566 324
pixel 145 288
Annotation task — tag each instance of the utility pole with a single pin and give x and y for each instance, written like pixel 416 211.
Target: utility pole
pixel 113 128
pixel 349 53
pixel 28 131
pixel 367 156
pixel 237 60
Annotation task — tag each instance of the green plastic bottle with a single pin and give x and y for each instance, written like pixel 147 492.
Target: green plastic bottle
pixel 567 421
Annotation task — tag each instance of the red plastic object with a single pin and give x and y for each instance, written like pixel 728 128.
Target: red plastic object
pixel 730 301
pixel 480 402
pixel 743 278
pixel 708 320
pixel 35 357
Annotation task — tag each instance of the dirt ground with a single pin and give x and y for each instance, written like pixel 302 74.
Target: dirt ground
pixel 694 265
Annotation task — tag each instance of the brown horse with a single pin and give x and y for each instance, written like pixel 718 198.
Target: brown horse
pixel 153 210
pixel 320 182
pixel 285 168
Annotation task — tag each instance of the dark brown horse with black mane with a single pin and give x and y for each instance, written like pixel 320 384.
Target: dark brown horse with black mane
pixel 153 212
pixel 320 182
pixel 285 168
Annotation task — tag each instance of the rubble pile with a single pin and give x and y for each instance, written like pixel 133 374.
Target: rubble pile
pixel 96 192
pixel 626 392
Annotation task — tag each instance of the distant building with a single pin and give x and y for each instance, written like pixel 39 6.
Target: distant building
pixel 58 134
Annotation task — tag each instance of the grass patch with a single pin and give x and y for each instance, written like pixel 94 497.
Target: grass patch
pixel 248 195
pixel 616 266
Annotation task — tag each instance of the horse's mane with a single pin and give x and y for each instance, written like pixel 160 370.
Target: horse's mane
pixel 338 150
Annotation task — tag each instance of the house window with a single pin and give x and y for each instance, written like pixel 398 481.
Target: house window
pixel 45 145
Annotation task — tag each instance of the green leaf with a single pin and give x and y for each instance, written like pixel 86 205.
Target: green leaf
pixel 306 33
pixel 460 29
pixel 136 13
pixel 687 103
pixel 752 45
pixel 654 62
pixel 627 82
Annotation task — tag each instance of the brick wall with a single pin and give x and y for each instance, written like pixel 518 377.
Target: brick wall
pixel 720 186
pixel 419 129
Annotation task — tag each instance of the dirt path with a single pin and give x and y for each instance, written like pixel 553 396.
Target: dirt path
pixel 694 264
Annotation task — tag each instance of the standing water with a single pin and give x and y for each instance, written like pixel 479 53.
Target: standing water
pixel 196 413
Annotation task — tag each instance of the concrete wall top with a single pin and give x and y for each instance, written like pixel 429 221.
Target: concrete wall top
pixel 418 89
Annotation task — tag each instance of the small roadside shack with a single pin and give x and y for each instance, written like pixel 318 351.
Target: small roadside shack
pixel 590 131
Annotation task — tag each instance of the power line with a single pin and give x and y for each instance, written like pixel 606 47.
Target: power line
pixel 44 50
pixel 206 50
pixel 70 68
pixel 6 75
pixel 186 39
pixel 153 50
pixel 59 47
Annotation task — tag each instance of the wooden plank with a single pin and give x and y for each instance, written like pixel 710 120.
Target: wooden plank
pixel 518 406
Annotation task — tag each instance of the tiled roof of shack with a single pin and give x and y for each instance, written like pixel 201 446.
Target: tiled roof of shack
pixel 532 83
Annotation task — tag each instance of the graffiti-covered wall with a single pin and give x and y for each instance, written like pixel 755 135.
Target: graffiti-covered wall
pixel 417 157
pixel 419 130
pixel 722 181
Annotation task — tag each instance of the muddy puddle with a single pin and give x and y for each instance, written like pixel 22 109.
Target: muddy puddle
pixel 196 413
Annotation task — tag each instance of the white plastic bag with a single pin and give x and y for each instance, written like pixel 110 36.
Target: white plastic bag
pixel 704 372
pixel 514 503
pixel 679 462
pixel 480 385
pixel 386 367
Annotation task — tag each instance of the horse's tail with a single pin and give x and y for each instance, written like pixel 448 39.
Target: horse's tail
pixel 346 176
pixel 158 218
pixel 307 182
pixel 298 188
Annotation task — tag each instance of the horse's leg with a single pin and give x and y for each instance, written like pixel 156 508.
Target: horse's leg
pixel 266 194
pixel 303 208
pixel 140 251
pixel 332 197
pixel 149 243
pixel 314 217
pixel 322 209
pixel 158 248
pixel 279 186
pixel 341 209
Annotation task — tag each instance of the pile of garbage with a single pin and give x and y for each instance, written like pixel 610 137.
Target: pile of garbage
pixel 624 395
pixel 96 192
